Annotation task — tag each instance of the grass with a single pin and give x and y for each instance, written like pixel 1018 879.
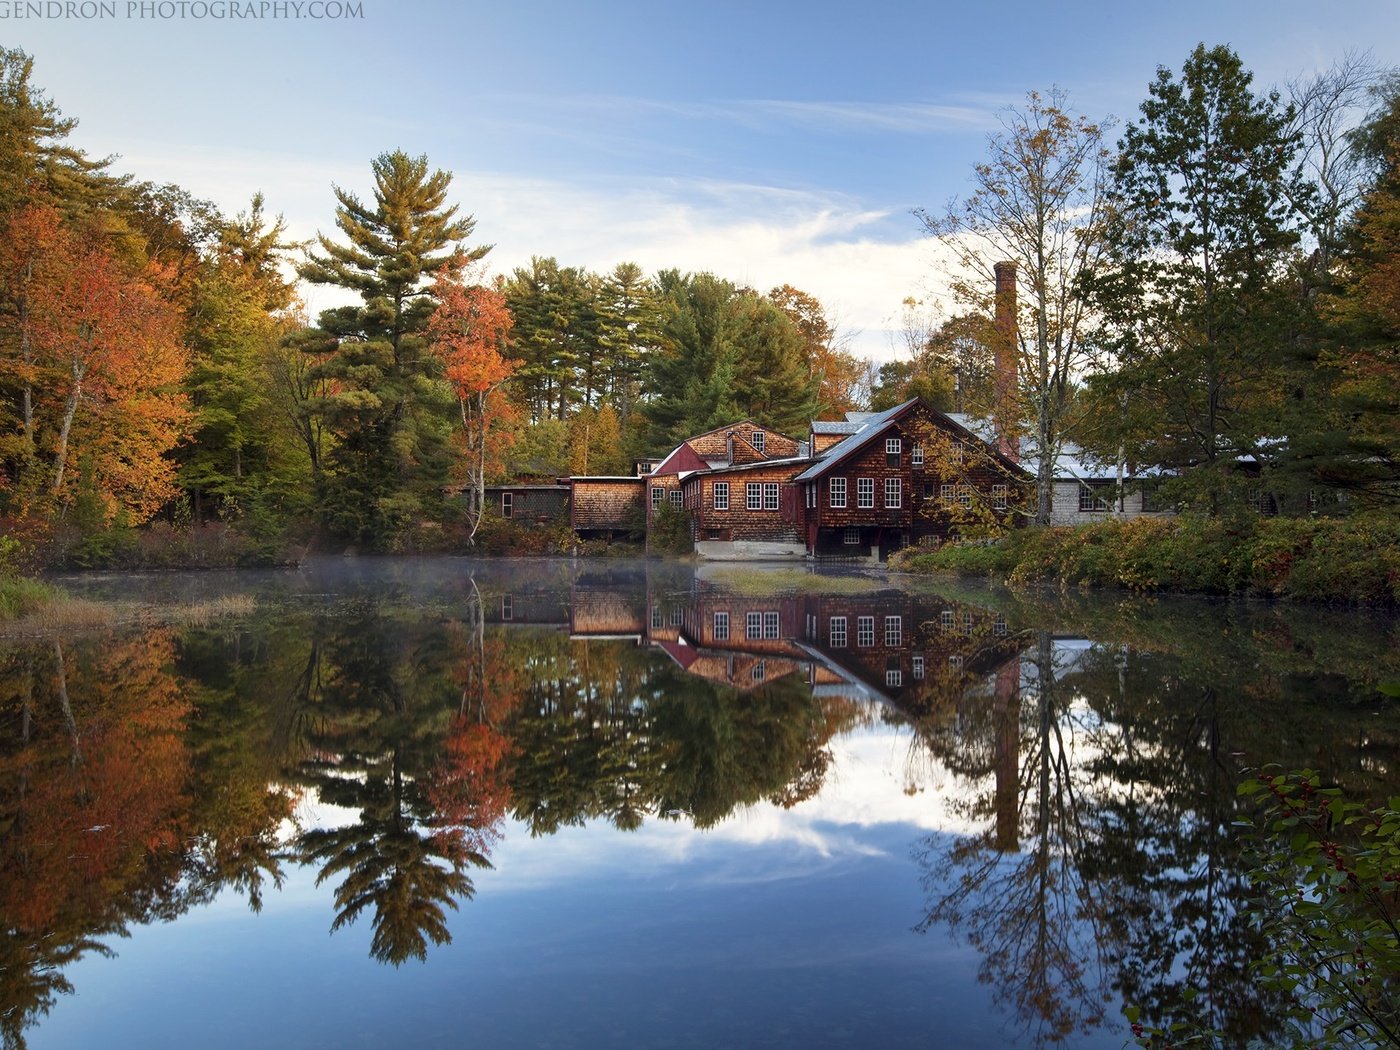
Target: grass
pixel 758 582
pixel 29 608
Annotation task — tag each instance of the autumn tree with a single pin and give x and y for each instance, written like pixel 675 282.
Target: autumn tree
pixel 388 408
pixel 1038 200
pixel 469 332
pixel 97 363
pixel 1202 228
pixel 837 371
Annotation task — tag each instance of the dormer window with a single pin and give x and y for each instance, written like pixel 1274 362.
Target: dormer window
pixel 757 439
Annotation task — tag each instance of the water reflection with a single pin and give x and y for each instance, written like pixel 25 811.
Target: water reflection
pixel 386 730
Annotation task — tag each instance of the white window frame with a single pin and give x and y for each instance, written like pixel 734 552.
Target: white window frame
pixel 753 626
pixel 893 446
pixel 507 607
pixel 721 626
pixel 721 495
pixel 836 632
pixel 999 497
pixel 770 625
pixel 865 493
pixel 894 493
pixel 759 671
pixel 947 494
pixel 836 493
pixel 894 677
pixel 770 495
pixel 759 440
pixel 865 631
pixel 965 495
pixel 918 668
pixel 677 498
pixel 753 495
pixel 658 496
pixel 916 456
pixel 851 537
pixel 507 504
pixel 894 631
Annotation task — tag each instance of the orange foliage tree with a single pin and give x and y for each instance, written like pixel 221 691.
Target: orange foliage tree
pixel 95 359
pixel 469 332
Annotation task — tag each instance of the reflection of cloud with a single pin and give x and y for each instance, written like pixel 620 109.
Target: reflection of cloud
pixel 864 809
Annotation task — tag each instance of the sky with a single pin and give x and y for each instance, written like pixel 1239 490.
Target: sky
pixel 767 141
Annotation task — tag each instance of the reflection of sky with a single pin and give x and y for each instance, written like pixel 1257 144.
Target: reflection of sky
pixel 775 929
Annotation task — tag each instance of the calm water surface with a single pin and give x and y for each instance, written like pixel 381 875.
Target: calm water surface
pixel 447 803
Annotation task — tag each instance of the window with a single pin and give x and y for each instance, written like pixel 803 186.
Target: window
pixel 758 439
pixel 507 607
pixel 894 630
pixel 656 620
pixel 999 497
pixel 967 623
pixel 837 628
pixel 677 497
pixel 894 676
pixel 965 495
pixel 753 496
pixel 810 492
pixel 865 630
pixel 770 495
pixel 851 537
pixel 918 667
pixel 955 661
pixel 657 495
pixel 753 626
pixel 958 450
pixel 916 456
pixel 836 492
pixel 677 616
pixel 1090 502
pixel 507 504
pixel 721 627
pixel 770 625
pixel 760 670
pixel 999 627
pixel 894 492
pixel 865 492
pixel 892 449
pixel 946 493
pixel 721 495
pixel 945 621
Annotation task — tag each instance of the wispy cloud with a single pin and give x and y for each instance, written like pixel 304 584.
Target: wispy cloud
pixel 834 115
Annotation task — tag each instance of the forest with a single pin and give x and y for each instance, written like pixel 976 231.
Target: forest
pixel 1214 282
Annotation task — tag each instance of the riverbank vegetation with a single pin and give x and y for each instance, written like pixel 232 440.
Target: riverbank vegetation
pixel 1354 559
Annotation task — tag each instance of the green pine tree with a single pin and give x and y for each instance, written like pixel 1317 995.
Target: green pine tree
pixel 389 409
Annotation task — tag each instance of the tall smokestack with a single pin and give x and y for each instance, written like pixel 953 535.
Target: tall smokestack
pixel 1005 352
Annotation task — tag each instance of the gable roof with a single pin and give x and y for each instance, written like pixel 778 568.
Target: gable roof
pixel 877 422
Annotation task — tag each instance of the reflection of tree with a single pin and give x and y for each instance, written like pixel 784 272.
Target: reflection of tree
pixel 385 711
pixel 92 772
pixel 1017 891
pixel 1113 865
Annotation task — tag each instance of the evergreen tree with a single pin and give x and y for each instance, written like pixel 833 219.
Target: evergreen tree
pixel 725 354
pixel 389 409
pixel 1194 288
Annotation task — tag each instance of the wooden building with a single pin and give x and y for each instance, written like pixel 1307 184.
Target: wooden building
pixel 607 506
pixel 530 504
pixel 907 475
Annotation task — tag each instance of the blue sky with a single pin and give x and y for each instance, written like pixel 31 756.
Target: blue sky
pixel 769 142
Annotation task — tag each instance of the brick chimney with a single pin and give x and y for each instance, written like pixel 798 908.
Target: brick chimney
pixel 1005 351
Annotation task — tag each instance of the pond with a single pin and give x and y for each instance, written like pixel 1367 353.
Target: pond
pixel 507 804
